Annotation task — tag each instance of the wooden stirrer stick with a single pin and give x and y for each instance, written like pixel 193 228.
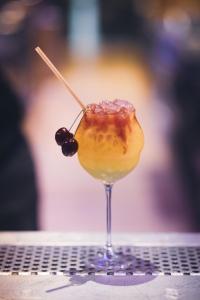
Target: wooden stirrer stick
pixel 59 76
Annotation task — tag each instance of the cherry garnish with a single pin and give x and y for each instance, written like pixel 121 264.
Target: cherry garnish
pixel 63 135
pixel 70 147
pixel 66 140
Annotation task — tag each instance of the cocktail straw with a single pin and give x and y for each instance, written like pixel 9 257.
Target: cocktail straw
pixel 59 76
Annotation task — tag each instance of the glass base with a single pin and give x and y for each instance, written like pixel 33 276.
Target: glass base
pixel 109 261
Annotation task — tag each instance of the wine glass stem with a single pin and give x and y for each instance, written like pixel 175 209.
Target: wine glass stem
pixel 108 190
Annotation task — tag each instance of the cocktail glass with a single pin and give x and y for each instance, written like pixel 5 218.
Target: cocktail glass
pixel 110 142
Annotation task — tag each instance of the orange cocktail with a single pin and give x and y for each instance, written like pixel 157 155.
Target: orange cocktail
pixel 110 140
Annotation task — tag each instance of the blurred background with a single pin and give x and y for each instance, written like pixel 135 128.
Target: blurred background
pixel 147 52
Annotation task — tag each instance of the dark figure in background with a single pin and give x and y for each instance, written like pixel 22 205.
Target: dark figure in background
pixel 123 21
pixel 187 135
pixel 18 194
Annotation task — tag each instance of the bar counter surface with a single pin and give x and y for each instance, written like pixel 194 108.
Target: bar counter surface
pixel 35 265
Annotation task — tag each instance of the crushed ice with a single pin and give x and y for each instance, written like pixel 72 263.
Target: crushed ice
pixel 110 107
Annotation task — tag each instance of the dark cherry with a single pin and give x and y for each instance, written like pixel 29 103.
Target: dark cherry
pixel 63 135
pixel 70 147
